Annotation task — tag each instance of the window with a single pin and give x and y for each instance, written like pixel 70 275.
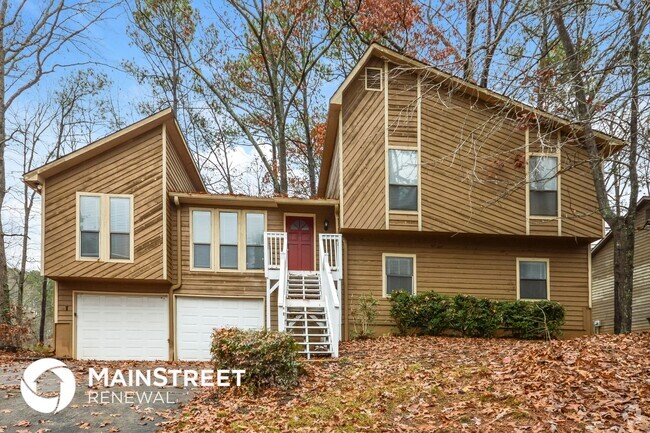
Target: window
pixel 533 278
pixel 543 185
pixel 254 241
pixel 202 239
pixel 120 226
pixel 89 225
pixel 399 274
pixel 403 179
pixel 228 242
pixel 374 79
pixel 105 229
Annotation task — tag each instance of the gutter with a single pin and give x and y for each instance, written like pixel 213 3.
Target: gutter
pixel 179 280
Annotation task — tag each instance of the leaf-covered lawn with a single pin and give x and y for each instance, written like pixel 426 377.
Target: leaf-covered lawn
pixel 598 383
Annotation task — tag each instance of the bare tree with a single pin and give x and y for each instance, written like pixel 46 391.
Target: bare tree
pixel 30 49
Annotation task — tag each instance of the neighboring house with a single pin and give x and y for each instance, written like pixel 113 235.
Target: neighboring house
pixel 602 265
pixel 423 187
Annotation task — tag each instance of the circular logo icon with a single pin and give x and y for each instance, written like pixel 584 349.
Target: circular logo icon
pixel 28 386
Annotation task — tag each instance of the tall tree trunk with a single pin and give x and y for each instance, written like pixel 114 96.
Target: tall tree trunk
pixel 470 32
pixel 23 258
pixel 623 277
pixel 41 328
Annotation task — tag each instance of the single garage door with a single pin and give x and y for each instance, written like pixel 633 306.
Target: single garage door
pixel 197 317
pixel 132 327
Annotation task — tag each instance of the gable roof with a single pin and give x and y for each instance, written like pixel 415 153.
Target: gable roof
pixel 608 143
pixel 600 245
pixel 166 117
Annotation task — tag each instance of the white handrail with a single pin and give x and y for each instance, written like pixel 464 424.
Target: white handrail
pixel 332 303
pixel 282 289
pixel 274 244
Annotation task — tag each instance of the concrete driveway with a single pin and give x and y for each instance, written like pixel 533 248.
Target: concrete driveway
pixel 123 409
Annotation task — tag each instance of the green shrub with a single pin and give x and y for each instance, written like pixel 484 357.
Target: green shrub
pixel 363 316
pixel 532 320
pixel 269 358
pixel 474 317
pixel 432 314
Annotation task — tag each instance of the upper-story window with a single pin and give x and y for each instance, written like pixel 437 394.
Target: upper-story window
pixel 374 79
pixel 105 227
pixel 228 240
pixel 201 239
pixel 254 241
pixel 238 236
pixel 533 281
pixel 403 179
pixel 89 225
pixel 543 185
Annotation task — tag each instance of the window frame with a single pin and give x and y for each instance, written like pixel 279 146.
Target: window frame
pixel 557 155
pixel 384 277
pixel 381 78
pixel 239 240
pixel 548 277
pixel 191 239
pixel 417 184
pixel 104 228
pixel 245 246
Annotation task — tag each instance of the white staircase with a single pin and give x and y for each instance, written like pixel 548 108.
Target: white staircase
pixel 306 314
pixel 309 302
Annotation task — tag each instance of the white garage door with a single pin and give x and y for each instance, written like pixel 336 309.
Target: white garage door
pixel 196 318
pixel 122 327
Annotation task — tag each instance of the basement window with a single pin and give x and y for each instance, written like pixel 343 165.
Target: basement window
pixel 399 273
pixel 533 281
pixel 374 79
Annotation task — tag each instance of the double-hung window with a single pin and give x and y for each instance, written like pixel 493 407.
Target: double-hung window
pixel 533 279
pixel 105 227
pixel 228 240
pixel 403 179
pixel 254 240
pixel 202 239
pixel 543 171
pixel 89 226
pixel 399 274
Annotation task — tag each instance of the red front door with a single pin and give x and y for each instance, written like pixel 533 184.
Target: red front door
pixel 300 242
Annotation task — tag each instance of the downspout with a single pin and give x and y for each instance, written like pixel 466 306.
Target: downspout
pixel 179 280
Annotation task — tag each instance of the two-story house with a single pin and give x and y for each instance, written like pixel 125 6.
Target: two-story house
pixel 428 183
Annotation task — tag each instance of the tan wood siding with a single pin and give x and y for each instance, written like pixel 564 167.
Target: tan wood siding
pixel 363 155
pixel 333 182
pixel 403 221
pixel 474 266
pixel 473 174
pixel 134 167
pixel 541 227
pixel 602 266
pixel 178 180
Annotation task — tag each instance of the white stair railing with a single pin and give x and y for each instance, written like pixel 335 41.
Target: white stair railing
pixel 275 243
pixel 332 304
pixel 282 290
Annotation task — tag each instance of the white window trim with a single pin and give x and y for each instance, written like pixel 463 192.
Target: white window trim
pixel 215 259
pixel 212 239
pixel 548 277
pixel 558 156
pixel 381 79
pixel 104 228
pixel 384 282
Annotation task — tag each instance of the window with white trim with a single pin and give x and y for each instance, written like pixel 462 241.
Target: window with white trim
pixel 399 274
pixel 254 240
pixel 543 174
pixel 228 240
pixel 105 227
pixel 202 239
pixel 89 226
pixel 533 279
pixel 403 179
pixel 374 79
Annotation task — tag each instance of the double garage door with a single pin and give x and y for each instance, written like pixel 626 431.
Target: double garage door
pixel 136 327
